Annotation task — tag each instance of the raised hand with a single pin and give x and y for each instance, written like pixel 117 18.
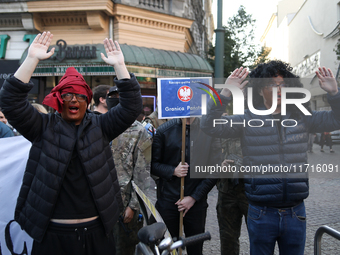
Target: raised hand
pixel 115 58
pixel 327 81
pixel 38 48
pixel 114 53
pixel 236 78
pixel 36 52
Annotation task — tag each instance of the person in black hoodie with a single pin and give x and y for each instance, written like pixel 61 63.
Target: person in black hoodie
pixel 70 198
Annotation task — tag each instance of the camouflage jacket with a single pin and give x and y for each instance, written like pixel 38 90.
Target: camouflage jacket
pixel 132 156
pixel 231 150
pixel 153 119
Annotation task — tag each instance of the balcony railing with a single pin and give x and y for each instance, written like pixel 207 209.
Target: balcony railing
pixel 152 3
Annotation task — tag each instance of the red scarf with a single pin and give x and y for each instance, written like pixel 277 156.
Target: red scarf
pixel 71 82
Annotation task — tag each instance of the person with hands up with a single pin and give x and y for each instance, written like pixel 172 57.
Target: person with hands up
pixel 70 198
pixel 276 211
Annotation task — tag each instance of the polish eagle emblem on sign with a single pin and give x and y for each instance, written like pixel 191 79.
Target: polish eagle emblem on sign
pixel 184 93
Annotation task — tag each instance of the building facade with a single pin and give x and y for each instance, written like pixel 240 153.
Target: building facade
pixel 159 38
pixel 304 33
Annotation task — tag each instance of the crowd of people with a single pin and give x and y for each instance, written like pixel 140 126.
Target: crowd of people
pixel 77 195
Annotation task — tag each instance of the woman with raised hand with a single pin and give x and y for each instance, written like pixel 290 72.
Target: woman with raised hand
pixel 70 197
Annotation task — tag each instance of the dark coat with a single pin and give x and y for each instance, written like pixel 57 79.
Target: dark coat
pixel 166 155
pixel 5 131
pixel 53 141
pixel 267 145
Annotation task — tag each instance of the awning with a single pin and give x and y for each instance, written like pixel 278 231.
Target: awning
pixel 144 62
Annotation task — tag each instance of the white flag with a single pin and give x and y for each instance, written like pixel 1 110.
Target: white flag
pixel 13 158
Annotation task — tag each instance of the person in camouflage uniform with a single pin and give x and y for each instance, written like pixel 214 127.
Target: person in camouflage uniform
pixel 232 203
pixel 153 119
pixel 132 156
pixel 151 123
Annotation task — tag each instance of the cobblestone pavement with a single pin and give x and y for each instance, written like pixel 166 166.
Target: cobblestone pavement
pixel 322 206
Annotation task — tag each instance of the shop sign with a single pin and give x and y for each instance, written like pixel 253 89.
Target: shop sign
pixel 170 73
pixel 73 52
pixel 55 70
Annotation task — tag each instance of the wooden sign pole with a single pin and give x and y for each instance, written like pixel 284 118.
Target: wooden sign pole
pixel 182 181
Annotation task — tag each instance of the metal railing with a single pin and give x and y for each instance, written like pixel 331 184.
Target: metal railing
pixel 318 235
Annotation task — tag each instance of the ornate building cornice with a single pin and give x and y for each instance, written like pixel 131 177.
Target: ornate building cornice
pixel 150 23
pixel 69 6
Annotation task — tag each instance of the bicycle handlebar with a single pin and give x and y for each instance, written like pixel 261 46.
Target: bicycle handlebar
pixel 196 239
pixel 152 234
pixel 188 241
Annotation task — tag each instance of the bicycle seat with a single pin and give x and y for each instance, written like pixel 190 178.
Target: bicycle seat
pixel 151 234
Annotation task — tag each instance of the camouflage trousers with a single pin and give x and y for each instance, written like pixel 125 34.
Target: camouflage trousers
pixel 126 241
pixel 231 206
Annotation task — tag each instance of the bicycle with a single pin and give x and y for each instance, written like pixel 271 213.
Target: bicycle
pixel 152 240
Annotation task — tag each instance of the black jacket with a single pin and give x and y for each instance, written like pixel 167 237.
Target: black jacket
pixel 166 155
pixel 53 141
pixel 5 131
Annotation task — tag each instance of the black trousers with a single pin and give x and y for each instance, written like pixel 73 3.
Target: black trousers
pixel 70 239
pixel 126 242
pixel 231 206
pixel 193 222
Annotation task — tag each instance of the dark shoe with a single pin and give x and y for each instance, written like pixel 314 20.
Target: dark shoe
pixel 322 150
pixel 331 151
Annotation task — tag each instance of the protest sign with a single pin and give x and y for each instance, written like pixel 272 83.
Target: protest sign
pixel 182 97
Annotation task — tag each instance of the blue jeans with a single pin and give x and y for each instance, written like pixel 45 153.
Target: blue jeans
pixel 287 226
